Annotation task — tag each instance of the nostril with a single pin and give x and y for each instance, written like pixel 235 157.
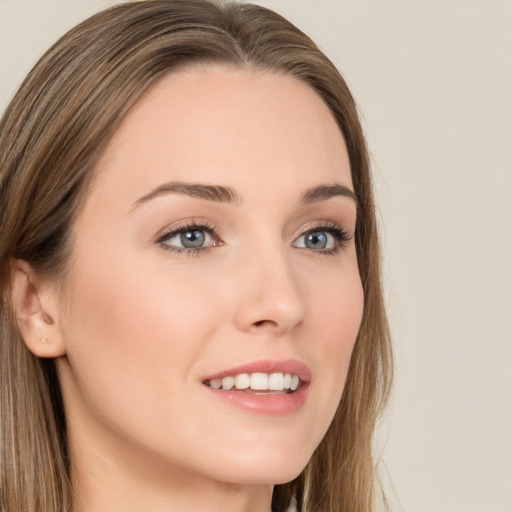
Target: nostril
pixel 261 323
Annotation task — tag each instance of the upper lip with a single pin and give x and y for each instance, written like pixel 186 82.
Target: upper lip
pixel 291 366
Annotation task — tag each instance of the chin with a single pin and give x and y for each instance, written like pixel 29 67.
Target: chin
pixel 269 467
pixel 265 476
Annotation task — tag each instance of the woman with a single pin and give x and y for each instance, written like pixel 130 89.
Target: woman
pixel 192 316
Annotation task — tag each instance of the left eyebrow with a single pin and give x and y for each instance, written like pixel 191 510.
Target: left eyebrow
pixel 324 192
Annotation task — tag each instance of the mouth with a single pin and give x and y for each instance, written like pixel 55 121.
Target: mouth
pixel 257 383
pixel 264 387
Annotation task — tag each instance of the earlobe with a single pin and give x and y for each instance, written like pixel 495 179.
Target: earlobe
pixel 35 307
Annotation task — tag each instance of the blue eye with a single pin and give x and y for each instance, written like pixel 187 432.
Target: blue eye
pixel 326 239
pixel 316 240
pixel 190 238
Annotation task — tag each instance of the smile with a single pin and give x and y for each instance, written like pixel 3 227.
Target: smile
pixel 269 387
pixel 257 382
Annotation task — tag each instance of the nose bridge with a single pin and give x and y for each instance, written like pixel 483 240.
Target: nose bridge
pixel 270 296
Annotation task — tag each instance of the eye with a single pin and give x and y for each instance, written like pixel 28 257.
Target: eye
pixel 316 240
pixel 189 238
pixel 327 239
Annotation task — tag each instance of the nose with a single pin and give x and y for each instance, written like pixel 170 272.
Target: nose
pixel 269 294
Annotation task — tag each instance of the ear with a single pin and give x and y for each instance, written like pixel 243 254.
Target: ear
pixel 35 302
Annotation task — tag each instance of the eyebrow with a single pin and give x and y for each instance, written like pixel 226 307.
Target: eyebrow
pixel 325 192
pixel 223 194
pixel 217 193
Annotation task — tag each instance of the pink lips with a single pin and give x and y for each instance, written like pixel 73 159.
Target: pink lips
pixel 265 403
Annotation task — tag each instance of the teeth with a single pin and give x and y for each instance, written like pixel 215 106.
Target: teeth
pixel 242 381
pixel 216 383
pixel 276 382
pixel 257 382
pixel 228 383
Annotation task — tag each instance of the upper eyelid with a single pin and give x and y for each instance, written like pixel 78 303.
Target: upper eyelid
pixel 186 226
pixel 207 226
pixel 326 225
pixel 335 230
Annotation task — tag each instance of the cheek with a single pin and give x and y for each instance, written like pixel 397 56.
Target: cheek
pixel 341 314
pixel 132 334
pixel 336 303
pixel 133 307
pixel 337 316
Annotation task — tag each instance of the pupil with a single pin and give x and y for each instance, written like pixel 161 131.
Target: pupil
pixel 192 239
pixel 316 240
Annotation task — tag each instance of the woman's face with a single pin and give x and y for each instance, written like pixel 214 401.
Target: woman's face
pixel 215 248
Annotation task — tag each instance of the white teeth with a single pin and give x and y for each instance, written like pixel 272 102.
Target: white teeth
pixel 216 383
pixel 228 383
pixel 242 381
pixel 257 381
pixel 276 382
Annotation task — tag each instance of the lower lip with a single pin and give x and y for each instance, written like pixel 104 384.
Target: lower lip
pixel 271 404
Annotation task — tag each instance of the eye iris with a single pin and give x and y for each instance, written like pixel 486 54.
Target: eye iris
pixel 316 240
pixel 192 239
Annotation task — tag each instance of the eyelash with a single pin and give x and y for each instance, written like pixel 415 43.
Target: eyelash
pixel 183 228
pixel 341 236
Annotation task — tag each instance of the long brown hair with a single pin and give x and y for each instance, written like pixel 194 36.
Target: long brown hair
pixel 51 136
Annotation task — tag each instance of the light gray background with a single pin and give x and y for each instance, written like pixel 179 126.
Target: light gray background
pixel 434 81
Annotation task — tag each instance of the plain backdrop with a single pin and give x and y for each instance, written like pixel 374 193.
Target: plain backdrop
pixel 433 80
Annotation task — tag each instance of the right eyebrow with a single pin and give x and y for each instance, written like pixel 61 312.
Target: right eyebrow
pixel 217 193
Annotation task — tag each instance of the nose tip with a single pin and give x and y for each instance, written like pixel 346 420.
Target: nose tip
pixel 271 301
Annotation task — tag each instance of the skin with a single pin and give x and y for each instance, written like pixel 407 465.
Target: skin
pixel 139 327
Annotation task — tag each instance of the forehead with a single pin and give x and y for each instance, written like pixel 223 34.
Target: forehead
pixel 234 126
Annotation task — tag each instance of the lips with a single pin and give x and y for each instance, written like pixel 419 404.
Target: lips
pixel 266 386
